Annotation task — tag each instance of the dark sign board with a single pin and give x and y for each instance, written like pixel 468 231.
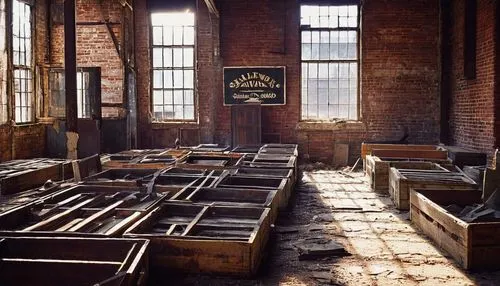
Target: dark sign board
pixel 253 84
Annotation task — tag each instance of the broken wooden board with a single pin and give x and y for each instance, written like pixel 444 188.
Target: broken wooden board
pixel 401 181
pixel 474 246
pixel 205 238
pixel 73 261
pixel 377 170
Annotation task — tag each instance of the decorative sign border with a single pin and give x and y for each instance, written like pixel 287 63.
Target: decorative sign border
pixel 257 83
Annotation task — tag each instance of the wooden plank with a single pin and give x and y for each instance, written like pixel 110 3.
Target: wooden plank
pixel 366 148
pixel 412 153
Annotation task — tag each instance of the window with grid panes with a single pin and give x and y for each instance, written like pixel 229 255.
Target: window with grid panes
pixel 22 60
pixel 330 62
pixel 173 57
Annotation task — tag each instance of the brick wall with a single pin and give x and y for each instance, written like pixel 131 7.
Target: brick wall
pixel 400 72
pixel 472 109
pixel 95 48
pixel 208 82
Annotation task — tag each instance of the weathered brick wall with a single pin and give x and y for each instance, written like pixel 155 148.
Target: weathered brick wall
pixel 208 82
pixel 472 110
pixel 400 72
pixel 95 48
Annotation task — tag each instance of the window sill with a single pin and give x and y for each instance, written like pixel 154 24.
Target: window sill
pixel 330 126
pixel 174 124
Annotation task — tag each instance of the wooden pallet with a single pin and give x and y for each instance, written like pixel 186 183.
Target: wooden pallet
pixel 401 181
pixel 205 238
pixel 377 170
pixel 73 261
pixel 473 245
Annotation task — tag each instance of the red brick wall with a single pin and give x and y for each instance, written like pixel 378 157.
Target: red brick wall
pixel 400 72
pixel 472 110
pixel 208 77
pixel 95 48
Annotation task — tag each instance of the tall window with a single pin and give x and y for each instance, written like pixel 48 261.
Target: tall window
pixel 22 59
pixel 173 51
pixel 330 61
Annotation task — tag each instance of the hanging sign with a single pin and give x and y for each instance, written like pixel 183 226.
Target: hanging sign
pixel 244 85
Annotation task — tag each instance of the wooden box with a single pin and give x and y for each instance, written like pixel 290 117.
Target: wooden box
pixel 401 181
pixel 377 170
pixel 210 161
pixel 251 197
pixel 241 181
pixel 18 178
pixel 287 149
pixel 398 150
pixel 205 238
pixel 52 261
pixel 473 245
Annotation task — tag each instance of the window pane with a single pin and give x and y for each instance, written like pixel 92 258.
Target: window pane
pixel 158 97
pixel 157 36
pixel 157 57
pixel 188 35
pixel 178 57
pixel 189 97
pixel 178 97
pixel 178 78
pixel 188 79
pixel 188 57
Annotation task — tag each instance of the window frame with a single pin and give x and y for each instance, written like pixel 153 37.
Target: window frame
pixel 152 69
pixel 357 61
pixel 12 68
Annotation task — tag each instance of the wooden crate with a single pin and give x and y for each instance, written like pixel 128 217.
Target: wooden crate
pixel 205 238
pixel 282 185
pixel 366 148
pixel 79 211
pixel 251 197
pixel 16 180
pixel 51 261
pixel 377 170
pixel 210 161
pixel 474 246
pixel 286 149
pixel 401 181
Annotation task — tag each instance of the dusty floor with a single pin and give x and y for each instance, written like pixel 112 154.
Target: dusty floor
pixel 385 248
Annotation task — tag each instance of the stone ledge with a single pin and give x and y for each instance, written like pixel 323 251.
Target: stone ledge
pixel 330 126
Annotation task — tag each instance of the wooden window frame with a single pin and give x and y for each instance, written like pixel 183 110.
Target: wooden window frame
pixel 152 69
pixel 357 60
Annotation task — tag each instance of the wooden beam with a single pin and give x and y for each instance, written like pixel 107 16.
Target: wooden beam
pixel 70 64
pixel 212 7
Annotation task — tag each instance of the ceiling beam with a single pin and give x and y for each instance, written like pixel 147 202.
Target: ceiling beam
pixel 211 7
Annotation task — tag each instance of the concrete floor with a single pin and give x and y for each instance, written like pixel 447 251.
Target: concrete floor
pixel 385 248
